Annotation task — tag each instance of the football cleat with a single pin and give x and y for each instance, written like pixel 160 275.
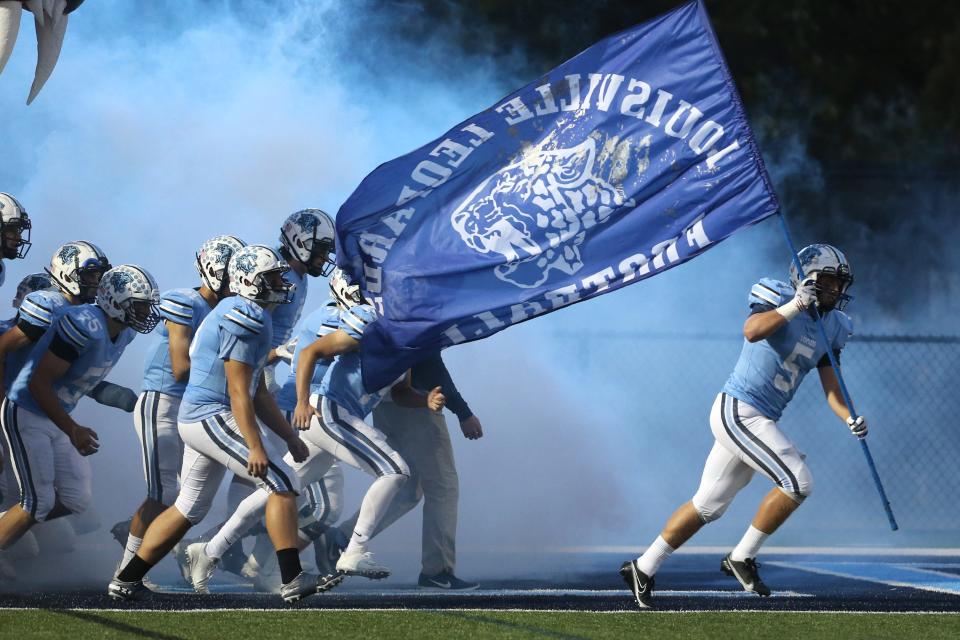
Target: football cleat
pixel 358 562
pixel 127 591
pixel 306 584
pixel 202 566
pixel 640 584
pixel 746 573
pixel 446 581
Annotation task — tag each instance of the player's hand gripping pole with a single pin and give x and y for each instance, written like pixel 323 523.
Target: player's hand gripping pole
pixel 843 386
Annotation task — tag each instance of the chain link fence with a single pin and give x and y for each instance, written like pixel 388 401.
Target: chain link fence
pixel 908 387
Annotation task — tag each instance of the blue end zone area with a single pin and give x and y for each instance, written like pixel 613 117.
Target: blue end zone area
pixel 688 582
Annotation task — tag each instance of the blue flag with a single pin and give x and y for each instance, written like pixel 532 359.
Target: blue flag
pixel 626 160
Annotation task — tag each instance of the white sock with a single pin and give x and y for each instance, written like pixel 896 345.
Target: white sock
pixel 749 544
pixel 133 544
pixel 374 506
pixel 248 512
pixel 654 556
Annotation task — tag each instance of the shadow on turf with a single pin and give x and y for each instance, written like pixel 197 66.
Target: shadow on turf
pixel 113 624
pixel 546 633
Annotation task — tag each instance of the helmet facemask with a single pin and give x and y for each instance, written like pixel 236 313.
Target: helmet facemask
pixel 831 287
pixel 272 288
pixel 20 229
pixel 140 315
pixel 322 247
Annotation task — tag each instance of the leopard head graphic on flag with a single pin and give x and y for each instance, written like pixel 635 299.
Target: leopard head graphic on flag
pixel 537 211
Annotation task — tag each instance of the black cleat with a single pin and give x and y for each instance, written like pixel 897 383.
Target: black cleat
pixel 746 573
pixel 445 581
pixel 640 584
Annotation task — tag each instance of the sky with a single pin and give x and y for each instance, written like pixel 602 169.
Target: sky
pixel 168 122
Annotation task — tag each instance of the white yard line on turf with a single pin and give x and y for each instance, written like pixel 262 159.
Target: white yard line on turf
pixel 467 610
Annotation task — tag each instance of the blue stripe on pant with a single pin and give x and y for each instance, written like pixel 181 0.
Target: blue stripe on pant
pixel 18 457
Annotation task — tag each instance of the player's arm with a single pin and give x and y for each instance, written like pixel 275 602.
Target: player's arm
pixel 267 410
pixel 17 337
pixel 51 367
pixel 239 377
pixel 114 395
pixel 329 346
pixel 406 396
pixel 767 319
pixel 831 389
pixel 179 337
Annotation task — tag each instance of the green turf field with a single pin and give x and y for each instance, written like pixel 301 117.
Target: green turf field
pixel 265 625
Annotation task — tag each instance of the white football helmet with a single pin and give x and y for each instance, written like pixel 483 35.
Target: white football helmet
pixel 256 273
pixel 77 267
pixel 345 293
pixel 14 222
pixel 31 283
pixel 213 258
pixel 130 295
pixel 818 259
pixel 307 234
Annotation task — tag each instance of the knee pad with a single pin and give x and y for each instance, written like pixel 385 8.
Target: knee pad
pixel 709 510
pixel 192 511
pixel 804 488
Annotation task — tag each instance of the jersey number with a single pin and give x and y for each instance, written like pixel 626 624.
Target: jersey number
pixel 793 369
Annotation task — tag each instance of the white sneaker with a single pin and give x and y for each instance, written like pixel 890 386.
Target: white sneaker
pixel 358 562
pixel 202 566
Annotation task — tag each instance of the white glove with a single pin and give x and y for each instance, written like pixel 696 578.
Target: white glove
pixel 858 426
pixel 806 294
pixel 285 350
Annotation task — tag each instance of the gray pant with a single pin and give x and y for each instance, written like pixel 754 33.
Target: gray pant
pixel 420 436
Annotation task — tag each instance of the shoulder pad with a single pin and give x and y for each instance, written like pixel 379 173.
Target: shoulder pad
pixel 80 325
pixel 770 292
pixel 845 321
pixel 176 305
pixel 39 306
pixel 355 319
pixel 243 317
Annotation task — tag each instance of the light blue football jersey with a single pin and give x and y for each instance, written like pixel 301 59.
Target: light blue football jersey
pixel 40 309
pixel 319 323
pixel 343 382
pixel 181 306
pixel 84 327
pixel 769 371
pixel 237 329
pixel 286 316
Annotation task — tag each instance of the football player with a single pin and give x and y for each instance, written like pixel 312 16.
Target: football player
pixel 782 344
pixel 306 244
pixel 333 418
pixel 47 447
pixel 15 229
pixel 218 422
pixel 165 374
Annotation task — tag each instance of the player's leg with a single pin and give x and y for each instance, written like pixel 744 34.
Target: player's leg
pixel 760 443
pixel 352 440
pixel 29 439
pixel 201 475
pixel 724 475
pixel 155 419
pixel 227 444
